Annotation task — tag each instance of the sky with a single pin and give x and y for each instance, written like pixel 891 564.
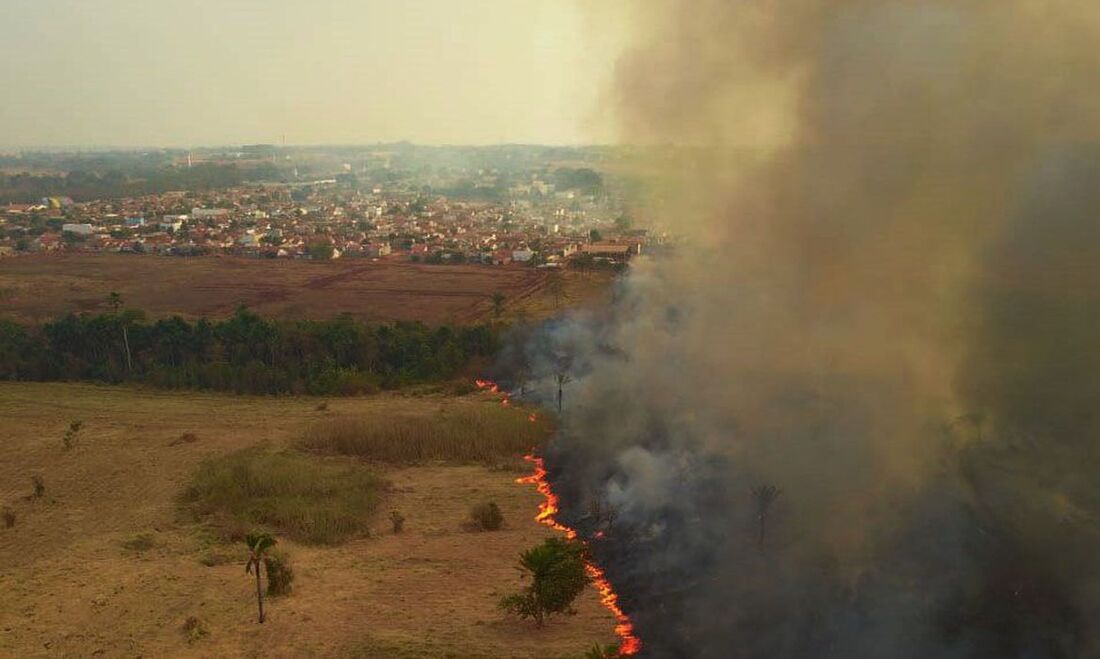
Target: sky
pixel 87 73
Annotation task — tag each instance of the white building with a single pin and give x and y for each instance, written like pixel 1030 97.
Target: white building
pixel 78 229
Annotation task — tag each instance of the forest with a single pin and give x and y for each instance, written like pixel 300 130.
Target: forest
pixel 244 353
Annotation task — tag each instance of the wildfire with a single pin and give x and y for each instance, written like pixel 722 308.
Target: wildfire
pixel 629 644
pixel 493 387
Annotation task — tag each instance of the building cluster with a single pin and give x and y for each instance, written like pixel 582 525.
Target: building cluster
pixel 324 220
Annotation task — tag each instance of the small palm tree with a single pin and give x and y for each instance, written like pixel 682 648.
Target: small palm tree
pixel 563 378
pixel 764 496
pixel 258 546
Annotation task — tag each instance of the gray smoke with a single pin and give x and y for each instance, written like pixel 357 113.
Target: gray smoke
pixel 887 307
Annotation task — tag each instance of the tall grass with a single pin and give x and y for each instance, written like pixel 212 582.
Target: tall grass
pixel 306 499
pixel 467 433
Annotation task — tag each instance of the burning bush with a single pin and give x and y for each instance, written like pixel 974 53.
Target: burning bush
pixel 312 502
pixel 558 575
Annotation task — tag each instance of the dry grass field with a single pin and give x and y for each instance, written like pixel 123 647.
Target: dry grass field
pixel 107 562
pixel 37 287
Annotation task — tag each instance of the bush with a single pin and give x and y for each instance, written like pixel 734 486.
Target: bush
pixel 469 433
pixel 558 576
pixel 280 576
pixel 185 438
pixel 398 521
pixel 140 542
pixel 194 629
pixel 69 438
pixel 306 499
pixel 39 486
pixel 486 517
pixel 9 517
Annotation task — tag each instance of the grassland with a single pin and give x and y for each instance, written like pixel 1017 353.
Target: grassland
pixel 461 435
pixel 107 562
pixel 40 287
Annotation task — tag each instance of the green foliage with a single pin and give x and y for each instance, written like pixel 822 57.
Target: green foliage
pixel 598 651
pixel 321 251
pixel 280 575
pixel 471 433
pixel 244 353
pixel 309 500
pixel 486 517
pixel 557 572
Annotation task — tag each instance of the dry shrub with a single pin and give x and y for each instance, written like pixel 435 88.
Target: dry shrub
pixel 398 521
pixel 185 438
pixel 194 629
pixel 39 486
pixel 486 517
pixel 468 433
pixel 307 499
pixel 140 542
pixel 280 575
pixel 9 517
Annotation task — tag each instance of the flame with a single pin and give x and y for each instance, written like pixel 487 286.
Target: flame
pixel 629 644
pixel 493 387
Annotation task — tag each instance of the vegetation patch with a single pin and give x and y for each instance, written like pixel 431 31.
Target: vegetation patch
pixel 485 517
pixel 280 574
pixel 309 500
pixel 469 433
pixel 140 542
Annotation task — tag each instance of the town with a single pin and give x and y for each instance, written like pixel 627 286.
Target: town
pixel 539 215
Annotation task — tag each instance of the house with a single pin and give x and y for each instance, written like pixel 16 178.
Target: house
pixel 78 229
pixel 209 213
pixel 611 250
pixel 522 255
pixel 377 250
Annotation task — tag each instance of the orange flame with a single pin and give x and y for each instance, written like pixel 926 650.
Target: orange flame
pixel 629 644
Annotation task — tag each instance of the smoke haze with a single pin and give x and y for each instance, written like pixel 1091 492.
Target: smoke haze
pixel 886 308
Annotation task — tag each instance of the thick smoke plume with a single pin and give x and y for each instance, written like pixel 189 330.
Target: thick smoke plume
pixel 887 307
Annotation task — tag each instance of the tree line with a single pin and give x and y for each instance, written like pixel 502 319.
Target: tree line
pixel 244 353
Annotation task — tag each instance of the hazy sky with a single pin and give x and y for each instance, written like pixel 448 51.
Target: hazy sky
pixel 201 72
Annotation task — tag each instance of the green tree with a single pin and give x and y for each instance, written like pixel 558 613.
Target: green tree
pixel 558 575
pixel 594 236
pixel 321 251
pixel 258 546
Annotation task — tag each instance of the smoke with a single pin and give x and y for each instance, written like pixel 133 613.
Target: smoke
pixel 886 307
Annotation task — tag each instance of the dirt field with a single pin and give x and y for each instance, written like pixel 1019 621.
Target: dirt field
pixel 37 287
pixel 71 589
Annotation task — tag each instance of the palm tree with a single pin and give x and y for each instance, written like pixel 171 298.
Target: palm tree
pixel 563 378
pixel 258 546
pixel 764 496
pixel 115 301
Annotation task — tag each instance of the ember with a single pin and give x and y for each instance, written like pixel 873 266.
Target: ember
pixel 629 644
